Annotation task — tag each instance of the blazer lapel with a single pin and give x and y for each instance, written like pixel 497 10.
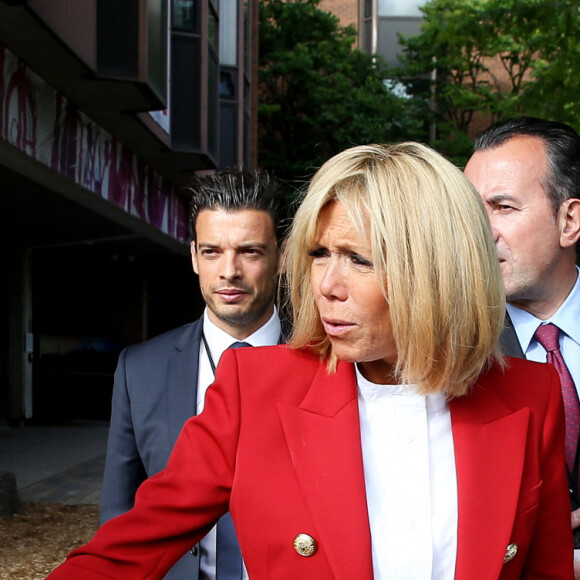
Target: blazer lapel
pixel 323 435
pixel 182 370
pixel 490 444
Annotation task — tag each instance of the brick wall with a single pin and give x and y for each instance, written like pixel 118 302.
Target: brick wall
pixel 346 10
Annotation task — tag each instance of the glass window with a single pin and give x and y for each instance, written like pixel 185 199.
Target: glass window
pixel 212 30
pixel 183 15
pixel 368 8
pixel 213 107
pixel 227 85
pixel 400 7
pixel 157 45
pixel 229 32
pixel 247 38
pixel 387 40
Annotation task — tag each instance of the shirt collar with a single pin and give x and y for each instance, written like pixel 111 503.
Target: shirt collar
pixel 565 318
pixel 401 394
pixel 219 340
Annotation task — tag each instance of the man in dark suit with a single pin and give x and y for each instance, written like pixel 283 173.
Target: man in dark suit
pixel 527 171
pixel 161 383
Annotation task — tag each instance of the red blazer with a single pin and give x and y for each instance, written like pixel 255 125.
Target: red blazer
pixel 279 444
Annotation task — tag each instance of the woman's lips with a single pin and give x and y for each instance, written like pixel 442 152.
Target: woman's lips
pixel 336 327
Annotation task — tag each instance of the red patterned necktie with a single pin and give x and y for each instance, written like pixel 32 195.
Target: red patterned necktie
pixel 548 335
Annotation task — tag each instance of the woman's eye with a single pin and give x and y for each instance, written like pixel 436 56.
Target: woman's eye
pixel 318 253
pixel 360 261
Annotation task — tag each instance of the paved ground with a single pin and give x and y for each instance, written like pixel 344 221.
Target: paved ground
pixel 56 463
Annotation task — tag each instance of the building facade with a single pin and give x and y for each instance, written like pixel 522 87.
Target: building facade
pixel 378 23
pixel 382 21
pixel 106 110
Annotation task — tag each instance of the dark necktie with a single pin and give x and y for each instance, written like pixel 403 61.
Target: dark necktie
pixel 548 335
pixel 228 555
pixel 239 345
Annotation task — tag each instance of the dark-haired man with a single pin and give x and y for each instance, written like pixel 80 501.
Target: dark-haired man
pixel 159 384
pixel 527 171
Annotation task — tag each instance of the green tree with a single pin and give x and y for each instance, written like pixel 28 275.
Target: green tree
pixel 318 94
pixel 496 57
pixel 555 92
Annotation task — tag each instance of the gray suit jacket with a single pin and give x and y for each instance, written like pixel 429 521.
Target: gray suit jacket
pixel 508 342
pixel 154 394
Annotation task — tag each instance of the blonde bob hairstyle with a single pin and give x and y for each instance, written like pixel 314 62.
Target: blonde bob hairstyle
pixel 432 251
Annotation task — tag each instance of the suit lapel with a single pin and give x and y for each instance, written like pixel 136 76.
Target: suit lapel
pixel 508 341
pixel 488 480
pixel 182 370
pixel 323 436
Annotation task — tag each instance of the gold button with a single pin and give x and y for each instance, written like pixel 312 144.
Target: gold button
pixel 510 553
pixel 305 545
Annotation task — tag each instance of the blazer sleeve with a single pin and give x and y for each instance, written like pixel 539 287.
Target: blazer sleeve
pixel 124 470
pixel 550 554
pixel 175 508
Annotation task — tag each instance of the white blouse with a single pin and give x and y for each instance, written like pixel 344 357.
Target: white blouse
pixel 410 478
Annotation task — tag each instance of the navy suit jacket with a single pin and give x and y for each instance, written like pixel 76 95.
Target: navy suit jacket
pixel 154 394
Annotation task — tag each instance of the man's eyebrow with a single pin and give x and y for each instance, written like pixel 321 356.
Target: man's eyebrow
pixel 242 245
pixel 247 245
pixel 500 197
pixel 253 244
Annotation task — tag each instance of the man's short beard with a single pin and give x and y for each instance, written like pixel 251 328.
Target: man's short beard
pixel 241 318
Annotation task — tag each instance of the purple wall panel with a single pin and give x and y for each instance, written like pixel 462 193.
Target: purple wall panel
pixel 43 124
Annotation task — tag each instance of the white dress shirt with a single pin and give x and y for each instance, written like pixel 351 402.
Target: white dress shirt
pixel 411 482
pixel 566 318
pixel 218 341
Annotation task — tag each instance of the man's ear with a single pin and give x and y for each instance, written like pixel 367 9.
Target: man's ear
pixel 282 257
pixel 193 257
pixel 569 218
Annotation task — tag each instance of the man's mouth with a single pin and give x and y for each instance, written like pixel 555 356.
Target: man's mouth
pixel 231 295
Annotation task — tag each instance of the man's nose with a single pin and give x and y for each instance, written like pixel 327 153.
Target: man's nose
pixel 230 266
pixel 494 230
pixel 491 218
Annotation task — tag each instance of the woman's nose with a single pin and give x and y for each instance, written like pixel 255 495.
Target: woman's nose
pixel 333 282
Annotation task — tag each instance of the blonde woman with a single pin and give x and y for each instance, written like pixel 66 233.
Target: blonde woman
pixel 389 439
